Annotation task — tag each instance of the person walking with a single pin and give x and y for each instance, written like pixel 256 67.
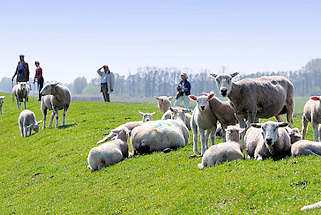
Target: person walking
pixel 22 70
pixel 39 78
pixel 183 91
pixel 107 82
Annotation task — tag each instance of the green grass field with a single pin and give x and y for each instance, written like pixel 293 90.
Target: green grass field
pixel 46 173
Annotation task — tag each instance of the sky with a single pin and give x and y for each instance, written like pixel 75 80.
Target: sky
pixel 75 38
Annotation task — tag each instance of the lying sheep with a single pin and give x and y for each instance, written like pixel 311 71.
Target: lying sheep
pixel 262 97
pixel 222 152
pixel 187 120
pixel 54 97
pixel 27 122
pixel 147 116
pixel 109 153
pixel 275 141
pixel 164 103
pixel 294 134
pixel 252 137
pixel 160 135
pixel 21 91
pixel 310 207
pixel 305 148
pixel 312 113
pixel 1 103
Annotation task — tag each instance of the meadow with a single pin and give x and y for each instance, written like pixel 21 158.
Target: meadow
pixel 47 173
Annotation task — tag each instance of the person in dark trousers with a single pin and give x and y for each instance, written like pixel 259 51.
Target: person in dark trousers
pixel 39 78
pixel 183 91
pixel 107 82
pixel 22 70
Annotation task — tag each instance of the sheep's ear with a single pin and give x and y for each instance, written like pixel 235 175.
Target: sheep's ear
pixel 153 113
pixel 256 125
pixel 116 131
pixel 213 75
pixel 157 98
pixel 282 124
pixel 234 74
pixel 210 96
pixel 316 98
pixel 141 113
pixel 170 98
pixel 39 122
pixel 54 84
pixel 171 109
pixel 192 97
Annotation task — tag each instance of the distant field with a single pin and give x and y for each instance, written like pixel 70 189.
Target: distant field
pixel 46 173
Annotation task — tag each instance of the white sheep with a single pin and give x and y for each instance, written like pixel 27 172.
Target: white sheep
pixel 109 153
pixel 164 103
pixel 275 141
pixel 305 148
pixel 21 91
pixel 54 97
pixel 310 207
pixel 27 122
pixel 312 113
pixel 159 135
pixel 147 116
pixel 226 151
pixel 187 119
pixel 1 103
pixel 294 134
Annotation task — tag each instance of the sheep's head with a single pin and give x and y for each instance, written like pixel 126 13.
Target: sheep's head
pixel 224 82
pixel 147 116
pixel 294 134
pixel 270 131
pixel 1 99
pixel 202 101
pixel 178 113
pixel 164 102
pixel 23 85
pixel 122 133
pixel 35 126
pixel 48 89
pixel 233 133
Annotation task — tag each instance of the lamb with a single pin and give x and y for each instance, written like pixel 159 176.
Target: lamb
pixel 21 92
pixel 160 135
pixel 305 148
pixel 274 141
pixel 109 153
pixel 294 134
pixel 187 119
pixel 312 113
pixel 222 152
pixel 147 116
pixel 54 97
pixel 1 103
pixel 164 103
pixel 310 207
pixel 27 122
pixel 262 97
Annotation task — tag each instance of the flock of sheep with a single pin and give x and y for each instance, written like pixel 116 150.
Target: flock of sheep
pixel 249 101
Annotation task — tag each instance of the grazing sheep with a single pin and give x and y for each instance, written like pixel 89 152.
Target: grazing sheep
pixel 21 91
pixel 160 135
pixel 310 207
pixel 276 141
pixel 54 97
pixel 1 103
pixel 305 148
pixel 262 97
pixel 109 153
pixel 312 113
pixel 222 152
pixel 164 103
pixel 294 134
pixel 147 116
pixel 27 122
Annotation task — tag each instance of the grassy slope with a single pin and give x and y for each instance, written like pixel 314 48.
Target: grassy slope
pixel 46 173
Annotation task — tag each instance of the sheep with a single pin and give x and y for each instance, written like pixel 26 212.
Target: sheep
pixel 109 153
pixel 21 91
pixel 147 116
pixel 1 103
pixel 160 135
pixel 262 97
pixel 252 137
pixel 164 103
pixel 305 148
pixel 54 97
pixel 187 119
pixel 226 151
pixel 274 142
pixel 312 113
pixel 294 134
pixel 27 122
pixel 310 207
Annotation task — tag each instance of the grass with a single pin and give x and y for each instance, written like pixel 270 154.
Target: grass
pixel 46 173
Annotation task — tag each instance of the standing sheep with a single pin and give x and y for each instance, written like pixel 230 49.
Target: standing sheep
pixel 305 148
pixel 1 103
pixel 262 97
pixel 109 153
pixel 312 113
pixel 27 122
pixel 21 92
pixel 54 97
pixel 164 103
pixel 276 141
pixel 222 152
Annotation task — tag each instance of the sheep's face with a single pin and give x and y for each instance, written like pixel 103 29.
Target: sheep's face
pixel 270 131
pixel 23 85
pixel 233 133
pixel 36 126
pixel 147 116
pixel 178 113
pixel 164 101
pixel 202 101
pixel 224 83
pixel 48 89
pixel 294 134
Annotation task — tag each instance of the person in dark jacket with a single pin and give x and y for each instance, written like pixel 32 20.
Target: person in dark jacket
pixel 39 78
pixel 22 70
pixel 183 91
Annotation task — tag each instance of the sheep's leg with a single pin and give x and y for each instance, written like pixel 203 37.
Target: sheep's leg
pixel 56 119
pixel 315 131
pixel 310 152
pixel 203 143
pixel 51 118
pixel 30 131
pixel 213 135
pixel 242 122
pixel 64 117
pixel 21 131
pixel 224 133
pixel 207 136
pixel 18 104
pixel 305 123
pixel 195 137
pixel 279 118
pixel 289 110
pixel 44 114
pixel 251 116
pixel 25 103
pixel 25 131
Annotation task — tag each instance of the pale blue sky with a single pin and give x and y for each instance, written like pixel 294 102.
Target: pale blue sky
pixel 73 38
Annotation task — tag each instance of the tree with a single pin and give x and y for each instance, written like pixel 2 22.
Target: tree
pixel 78 85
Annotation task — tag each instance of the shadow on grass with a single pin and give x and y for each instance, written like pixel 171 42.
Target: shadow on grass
pixel 66 126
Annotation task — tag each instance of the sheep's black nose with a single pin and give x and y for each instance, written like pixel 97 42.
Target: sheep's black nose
pixel 223 92
pixel 268 141
pixel 203 107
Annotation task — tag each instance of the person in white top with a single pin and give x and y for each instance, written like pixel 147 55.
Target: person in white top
pixel 107 82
